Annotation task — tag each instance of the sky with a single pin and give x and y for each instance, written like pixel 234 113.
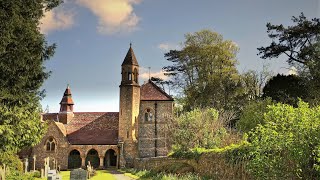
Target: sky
pixel 93 37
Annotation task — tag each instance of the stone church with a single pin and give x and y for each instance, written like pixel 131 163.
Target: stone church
pixel 107 139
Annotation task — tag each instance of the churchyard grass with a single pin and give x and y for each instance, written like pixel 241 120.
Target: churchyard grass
pixel 100 175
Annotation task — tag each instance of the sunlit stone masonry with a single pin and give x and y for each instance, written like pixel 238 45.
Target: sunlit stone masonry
pixel 107 139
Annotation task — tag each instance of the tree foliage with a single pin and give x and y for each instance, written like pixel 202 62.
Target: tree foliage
pixel 23 50
pixel 200 128
pixel 297 42
pixel 205 70
pixel 300 44
pixel 286 89
pixel 287 145
pixel 252 114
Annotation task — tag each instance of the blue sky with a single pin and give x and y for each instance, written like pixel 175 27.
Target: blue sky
pixel 93 37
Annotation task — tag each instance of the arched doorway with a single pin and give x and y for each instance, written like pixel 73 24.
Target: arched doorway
pixel 74 160
pixel 110 158
pixel 93 157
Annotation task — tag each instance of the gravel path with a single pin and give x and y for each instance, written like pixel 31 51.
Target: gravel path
pixel 119 175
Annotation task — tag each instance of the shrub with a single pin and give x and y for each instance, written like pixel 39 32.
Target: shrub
pixel 252 114
pixel 287 145
pixel 11 160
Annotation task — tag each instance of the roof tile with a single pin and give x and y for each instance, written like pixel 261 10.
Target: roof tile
pixel 151 92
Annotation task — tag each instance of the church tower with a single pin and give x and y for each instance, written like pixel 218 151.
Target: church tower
pixel 129 106
pixel 66 107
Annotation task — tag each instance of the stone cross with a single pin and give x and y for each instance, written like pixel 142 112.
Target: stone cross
pixel 26 164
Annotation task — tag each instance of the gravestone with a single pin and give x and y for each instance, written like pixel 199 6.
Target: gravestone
pixel 52 175
pixel 42 173
pixel 26 164
pixel 34 163
pixel 3 172
pixel 78 174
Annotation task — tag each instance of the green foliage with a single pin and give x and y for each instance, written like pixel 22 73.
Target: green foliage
pixel 300 44
pixel 198 128
pixel 234 152
pixel 252 114
pixel 286 89
pixel 10 160
pixel 23 50
pixel 19 127
pixel 297 42
pixel 14 175
pixel 287 145
pixel 205 70
pixel 145 174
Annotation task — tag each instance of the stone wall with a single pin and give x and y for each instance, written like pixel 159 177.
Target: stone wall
pixel 152 139
pixel 209 164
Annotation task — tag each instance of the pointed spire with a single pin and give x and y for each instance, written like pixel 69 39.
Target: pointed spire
pixel 66 107
pixel 66 100
pixel 130 58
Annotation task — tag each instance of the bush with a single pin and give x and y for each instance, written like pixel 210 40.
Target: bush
pixel 287 145
pixel 11 160
pixel 18 175
pixel 252 114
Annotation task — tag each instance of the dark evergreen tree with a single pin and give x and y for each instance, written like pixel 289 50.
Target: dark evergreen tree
pixel 23 51
pixel 286 89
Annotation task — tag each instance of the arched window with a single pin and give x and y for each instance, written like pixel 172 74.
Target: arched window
pixel 50 144
pixel 129 74
pixel 148 115
pixel 74 159
pixel 135 75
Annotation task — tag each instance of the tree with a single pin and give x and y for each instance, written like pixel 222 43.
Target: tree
pixel 300 43
pixel 205 70
pixel 252 114
pixel 297 42
pixel 161 83
pixel 286 89
pixel 23 50
pixel 254 81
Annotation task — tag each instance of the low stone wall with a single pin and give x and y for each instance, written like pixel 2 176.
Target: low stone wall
pixel 209 164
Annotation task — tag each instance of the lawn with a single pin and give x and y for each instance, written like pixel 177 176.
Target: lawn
pixel 100 175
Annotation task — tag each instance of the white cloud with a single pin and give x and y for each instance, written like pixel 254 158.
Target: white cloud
pixel 144 74
pixel 56 19
pixel 167 46
pixel 292 71
pixel 114 15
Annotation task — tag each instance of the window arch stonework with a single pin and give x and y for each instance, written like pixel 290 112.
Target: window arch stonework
pixel 50 144
pixel 148 115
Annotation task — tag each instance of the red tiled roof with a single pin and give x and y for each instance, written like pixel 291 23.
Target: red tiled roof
pixel 90 127
pixel 151 92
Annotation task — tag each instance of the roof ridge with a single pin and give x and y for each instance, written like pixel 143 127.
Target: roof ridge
pixel 161 90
